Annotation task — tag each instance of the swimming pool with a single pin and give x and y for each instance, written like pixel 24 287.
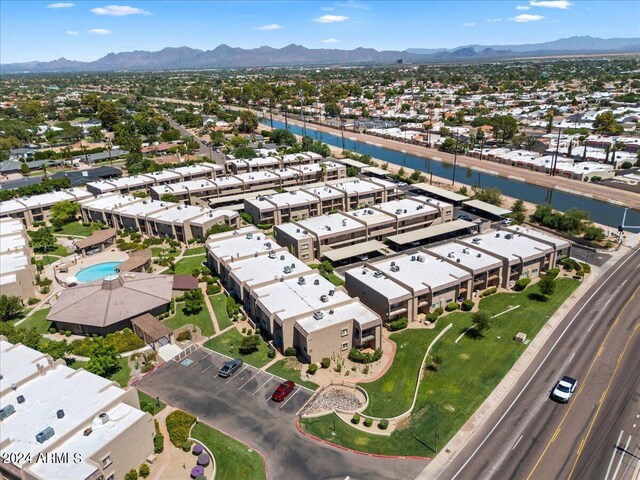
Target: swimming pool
pixel 97 272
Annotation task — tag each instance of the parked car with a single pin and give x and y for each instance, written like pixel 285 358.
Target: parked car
pixel 230 367
pixel 506 221
pixel 466 217
pixel 283 391
pixel 564 389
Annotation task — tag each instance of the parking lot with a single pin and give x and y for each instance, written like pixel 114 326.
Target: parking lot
pixel 241 406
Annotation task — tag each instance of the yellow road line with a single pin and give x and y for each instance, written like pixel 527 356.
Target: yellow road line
pixel 546 448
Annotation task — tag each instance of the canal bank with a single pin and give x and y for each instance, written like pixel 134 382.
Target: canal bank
pixel 561 193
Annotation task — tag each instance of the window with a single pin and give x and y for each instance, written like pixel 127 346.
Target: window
pixel 345 345
pixel 106 461
pixel 534 271
pixel 304 246
pixel 345 332
pixel 112 477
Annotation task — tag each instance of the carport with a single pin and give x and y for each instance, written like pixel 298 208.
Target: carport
pixel 344 253
pixel 485 209
pixel 438 193
pixel 429 234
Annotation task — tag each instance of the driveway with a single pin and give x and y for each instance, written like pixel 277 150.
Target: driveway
pixel 240 406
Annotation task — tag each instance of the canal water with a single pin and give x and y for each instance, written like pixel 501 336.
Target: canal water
pixel 599 211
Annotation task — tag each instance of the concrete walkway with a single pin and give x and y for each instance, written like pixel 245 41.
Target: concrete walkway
pixel 212 313
pixel 164 461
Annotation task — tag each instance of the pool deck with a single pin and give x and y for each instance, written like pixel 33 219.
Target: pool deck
pixel 77 262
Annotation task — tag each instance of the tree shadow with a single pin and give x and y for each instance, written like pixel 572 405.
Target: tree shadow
pixel 537 297
pixel 475 334
pixel 423 443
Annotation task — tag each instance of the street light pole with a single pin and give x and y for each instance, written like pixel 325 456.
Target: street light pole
pixel 455 161
pixel 555 157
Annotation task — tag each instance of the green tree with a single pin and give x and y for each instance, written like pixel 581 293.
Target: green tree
pixel 281 136
pixel 352 171
pixel 56 349
pixel 332 109
pixel 248 121
pixel 193 302
pixel 489 195
pixel 104 360
pixel 448 146
pixel 244 152
pixel 24 169
pixel 108 114
pixel 481 320
pixel 30 109
pixel 169 197
pixel 131 475
pixel 504 127
pixel 606 123
pixel 170 135
pixel 217 138
pixel 547 285
pixel 249 344
pixel 519 212
pixel 10 307
pixel 64 212
pixel 42 239
pixel 95 133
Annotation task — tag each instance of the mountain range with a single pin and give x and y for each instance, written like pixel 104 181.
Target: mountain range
pixel 224 56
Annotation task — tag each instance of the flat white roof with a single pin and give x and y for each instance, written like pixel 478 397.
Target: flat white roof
pixel 163 175
pixel 48 199
pixel 370 216
pixel 352 311
pixel 102 186
pixel 440 192
pixel 143 207
pixel 134 181
pixel 487 207
pixel 18 363
pixel 325 192
pixel 416 274
pixel 176 213
pixel 227 181
pixel 286 172
pixel 329 225
pixel 291 199
pixel 560 243
pixel 13 242
pixel 213 216
pixel 266 267
pixel 242 242
pixel 406 208
pixel 508 245
pixel 109 201
pixel 260 175
pixel 197 168
pixel 358 187
pixel 381 283
pixel 10 226
pixel 294 230
pixel 13 262
pixel 11 206
pixel 199 185
pixel 468 256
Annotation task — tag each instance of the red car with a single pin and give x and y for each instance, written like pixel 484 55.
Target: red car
pixel 283 390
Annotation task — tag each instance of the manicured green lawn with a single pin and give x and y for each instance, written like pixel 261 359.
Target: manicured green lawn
pixel 284 369
pixel 195 250
pixel 201 320
pixel 333 278
pixel 228 344
pixel 59 251
pixel 76 364
pixel 219 304
pixel 48 259
pixel 150 404
pixel 75 229
pixel 469 372
pixel 186 265
pixel 38 321
pixel 234 460
pixel 392 394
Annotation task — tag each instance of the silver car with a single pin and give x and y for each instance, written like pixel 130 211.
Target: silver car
pixel 230 367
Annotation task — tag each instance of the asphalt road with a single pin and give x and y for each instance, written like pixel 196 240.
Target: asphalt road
pixel 530 436
pixel 203 150
pixel 241 406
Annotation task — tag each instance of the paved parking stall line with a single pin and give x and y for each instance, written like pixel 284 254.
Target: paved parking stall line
pixel 210 366
pixel 271 378
pixel 290 397
pixel 232 377
pixel 251 378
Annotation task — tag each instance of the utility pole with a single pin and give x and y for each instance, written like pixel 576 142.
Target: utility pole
pixel 455 161
pixel 304 123
pixel 555 156
pixel 286 123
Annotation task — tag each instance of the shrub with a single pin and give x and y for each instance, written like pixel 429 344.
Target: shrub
pixel 489 291
pixel 178 425
pixel 570 264
pixel 547 286
pixel 52 330
pixel 326 362
pixel 399 324
pixel 521 284
pixel 586 268
pixel 451 306
pixel 438 311
pixel 33 301
pixel 290 352
pixel 249 344
pixel 158 443
pixel 383 424
pixel 186 446
pixel 313 368
pixel 431 317
pixel 124 341
pixel 594 233
pixel 131 475
pixel 244 329
pixel 367 422
pixel 67 333
pixel 481 320
pixel 231 306
pixel 553 272
pixel 213 289
pixel 467 305
pixel 358 356
pixel 83 347
pixel 144 470
pixel 355 419
pixel 271 353
pixel 182 336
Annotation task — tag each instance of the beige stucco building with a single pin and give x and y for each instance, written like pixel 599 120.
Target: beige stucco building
pixel 17 274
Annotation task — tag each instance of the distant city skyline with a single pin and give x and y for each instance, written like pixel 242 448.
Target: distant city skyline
pixel 87 30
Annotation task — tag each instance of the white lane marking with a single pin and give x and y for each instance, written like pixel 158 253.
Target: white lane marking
pixel 234 376
pixel 540 365
pixel 271 378
pixel 613 455
pixel 210 366
pixel 290 397
pixel 591 326
pixel 615 473
pixel 516 444
pixel 571 357
pixel 252 377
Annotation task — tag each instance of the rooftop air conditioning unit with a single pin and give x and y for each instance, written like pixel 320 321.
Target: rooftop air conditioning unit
pixel 497 234
pixel 316 282
pixel 508 236
pixel 324 299
pixel 102 418
pixel 413 258
pixel 20 399
pixel 395 268
pixel 398 211
pixel 249 236
pixel 458 260
pixel 376 274
pixel 287 269
pixel 60 414
pixel 465 250
pixel 281 257
pixel 393 264
pixel 44 435
pixel 301 281
pixel 478 255
pixel 6 411
pixel 318 314
pixel 272 254
pixel 420 258
pixel 332 292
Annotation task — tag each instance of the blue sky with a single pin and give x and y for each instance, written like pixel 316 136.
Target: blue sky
pixel 87 30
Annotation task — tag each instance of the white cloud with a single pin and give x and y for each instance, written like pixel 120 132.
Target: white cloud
pixel 271 26
pixel 119 11
pixel 561 4
pixel 73 33
pixel 469 24
pixel 523 7
pixel 526 18
pixel 330 40
pixel 60 5
pixel 353 4
pixel 331 19
pixel 327 9
pixel 494 20
pixel 99 31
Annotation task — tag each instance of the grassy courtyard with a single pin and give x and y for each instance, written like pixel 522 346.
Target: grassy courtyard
pixel 195 251
pixel 201 320
pixel 228 344
pixel 469 372
pixel 38 321
pixel 75 229
pixel 219 304
pixel 150 404
pixel 233 459
pixel 185 266
pixel 285 369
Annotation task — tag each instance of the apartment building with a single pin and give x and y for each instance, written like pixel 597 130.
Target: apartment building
pixel 38 207
pixel 287 299
pixel 16 271
pixel 282 207
pixel 410 213
pixel 271 162
pixel 72 424
pixel 359 193
pixel 408 285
